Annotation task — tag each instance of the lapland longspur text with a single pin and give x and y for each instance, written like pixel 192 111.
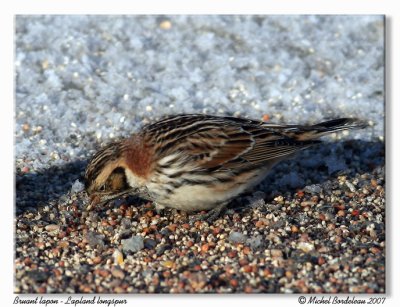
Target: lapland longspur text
pixel 199 162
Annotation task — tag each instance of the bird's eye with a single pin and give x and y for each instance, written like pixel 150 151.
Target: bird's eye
pixel 102 188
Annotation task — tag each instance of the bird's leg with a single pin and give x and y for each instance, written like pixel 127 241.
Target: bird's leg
pixel 158 207
pixel 211 215
pixel 142 193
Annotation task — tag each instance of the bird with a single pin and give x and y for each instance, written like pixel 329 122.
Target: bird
pixel 198 162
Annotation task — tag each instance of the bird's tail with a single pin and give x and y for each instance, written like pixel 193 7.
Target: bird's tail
pixel 340 124
pixel 304 133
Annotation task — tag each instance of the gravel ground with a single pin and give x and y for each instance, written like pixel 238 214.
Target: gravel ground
pixel 316 224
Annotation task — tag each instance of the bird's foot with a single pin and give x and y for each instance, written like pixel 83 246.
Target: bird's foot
pixel 158 207
pixel 211 215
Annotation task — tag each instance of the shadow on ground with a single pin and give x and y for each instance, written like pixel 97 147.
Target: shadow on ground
pixel 322 163
pixel 35 189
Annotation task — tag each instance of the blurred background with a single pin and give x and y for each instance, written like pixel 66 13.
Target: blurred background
pixel 83 80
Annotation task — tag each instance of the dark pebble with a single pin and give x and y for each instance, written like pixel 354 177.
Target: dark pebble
pixel 125 233
pixel 165 232
pixel 95 240
pixel 38 276
pixel 149 243
pixel 162 248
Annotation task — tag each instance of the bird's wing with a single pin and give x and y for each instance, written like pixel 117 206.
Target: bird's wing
pixel 213 144
pixel 249 148
pixel 218 146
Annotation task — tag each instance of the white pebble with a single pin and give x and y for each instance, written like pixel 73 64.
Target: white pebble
pixel 77 186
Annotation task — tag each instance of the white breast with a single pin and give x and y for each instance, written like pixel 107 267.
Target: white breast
pixel 205 197
pixel 196 197
pixel 134 181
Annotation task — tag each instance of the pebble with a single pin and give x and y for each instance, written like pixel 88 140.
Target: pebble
pixel 149 243
pixel 234 283
pixel 289 274
pixel 313 189
pixel 351 187
pixel 117 273
pixel 305 246
pixel 52 227
pixel 294 229
pixel 134 244
pixel 95 240
pixel 168 264
pixel 63 244
pixel 237 237
pixel 26 127
pixel 102 272
pixel 77 187
pixel 204 248
pixel 259 224
pixel 162 248
pixel 38 276
pixel 255 242
pixel 119 290
pixel 165 24
pixel 247 269
pixel 276 253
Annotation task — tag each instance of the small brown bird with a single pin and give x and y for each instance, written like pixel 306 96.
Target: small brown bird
pixel 199 162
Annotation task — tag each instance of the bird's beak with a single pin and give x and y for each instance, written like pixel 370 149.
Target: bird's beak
pixel 99 199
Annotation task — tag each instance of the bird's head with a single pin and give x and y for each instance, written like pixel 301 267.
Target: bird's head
pixel 105 173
